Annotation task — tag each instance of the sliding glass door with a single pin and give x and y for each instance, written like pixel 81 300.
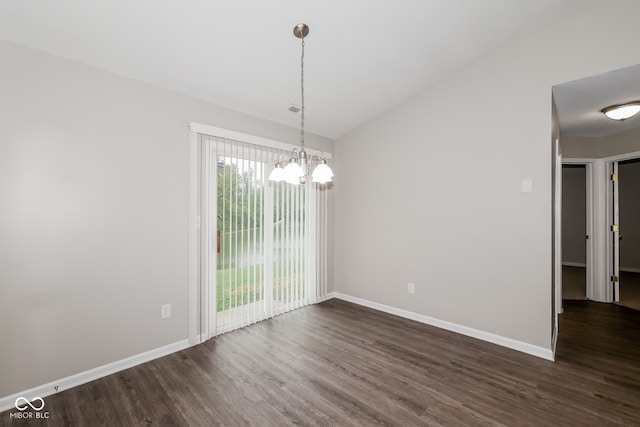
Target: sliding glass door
pixel 263 236
pixel 240 242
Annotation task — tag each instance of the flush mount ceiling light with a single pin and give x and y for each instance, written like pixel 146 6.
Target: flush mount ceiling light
pixel 622 111
pixel 297 169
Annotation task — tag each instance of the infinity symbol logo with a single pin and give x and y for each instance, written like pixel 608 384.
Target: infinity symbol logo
pixel 22 406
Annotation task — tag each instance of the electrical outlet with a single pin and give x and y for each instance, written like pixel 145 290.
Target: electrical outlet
pixel 411 288
pixel 165 311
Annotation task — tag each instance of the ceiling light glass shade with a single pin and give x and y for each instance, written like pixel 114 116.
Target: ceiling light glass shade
pixel 622 112
pixel 293 171
pixel 322 173
pixel 277 174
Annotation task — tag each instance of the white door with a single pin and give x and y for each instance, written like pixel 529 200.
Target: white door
pixel 615 230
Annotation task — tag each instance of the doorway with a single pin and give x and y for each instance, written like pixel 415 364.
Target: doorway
pixel 574 232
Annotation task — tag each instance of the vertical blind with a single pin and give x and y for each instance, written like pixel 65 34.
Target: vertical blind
pixel 267 246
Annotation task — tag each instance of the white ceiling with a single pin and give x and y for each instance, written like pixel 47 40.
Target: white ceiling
pixel 362 56
pixel 580 102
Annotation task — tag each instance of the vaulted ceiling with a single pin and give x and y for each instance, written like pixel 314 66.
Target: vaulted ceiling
pixel 362 56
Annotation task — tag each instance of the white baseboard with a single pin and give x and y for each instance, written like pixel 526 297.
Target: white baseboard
pixel 327 297
pixel 533 350
pixel 574 264
pixel 66 383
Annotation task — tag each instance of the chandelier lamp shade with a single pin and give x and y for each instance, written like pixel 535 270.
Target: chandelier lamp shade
pixel 322 173
pixel 277 174
pixel 297 169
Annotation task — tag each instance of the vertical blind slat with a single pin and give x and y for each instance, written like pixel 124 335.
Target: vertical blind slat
pixel 290 237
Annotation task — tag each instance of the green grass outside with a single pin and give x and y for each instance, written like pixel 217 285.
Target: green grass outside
pixel 242 285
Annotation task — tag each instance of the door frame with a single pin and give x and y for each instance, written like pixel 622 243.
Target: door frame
pixel 557 227
pixel 194 326
pixel 556 241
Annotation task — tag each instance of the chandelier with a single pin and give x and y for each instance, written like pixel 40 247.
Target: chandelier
pixel 297 169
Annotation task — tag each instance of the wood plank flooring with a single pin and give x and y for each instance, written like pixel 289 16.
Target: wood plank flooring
pixel 574 282
pixel 338 364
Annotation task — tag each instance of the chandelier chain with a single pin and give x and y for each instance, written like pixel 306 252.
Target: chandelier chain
pixel 302 96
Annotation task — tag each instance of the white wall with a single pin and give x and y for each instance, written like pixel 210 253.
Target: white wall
pixel 601 147
pixel 429 191
pixel 93 214
pixel 574 214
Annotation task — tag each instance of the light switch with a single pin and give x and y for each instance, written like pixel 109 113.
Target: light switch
pixel 165 311
pixel 527 185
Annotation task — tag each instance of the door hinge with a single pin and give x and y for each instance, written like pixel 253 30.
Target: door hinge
pixel 614 279
pixel 615 228
pixel 587 237
pixel 614 177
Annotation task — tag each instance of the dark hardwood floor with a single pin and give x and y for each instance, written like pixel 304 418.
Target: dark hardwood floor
pixel 574 282
pixel 338 364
